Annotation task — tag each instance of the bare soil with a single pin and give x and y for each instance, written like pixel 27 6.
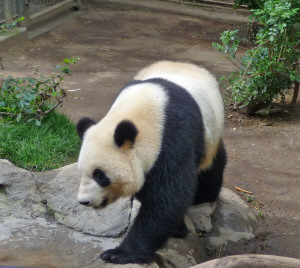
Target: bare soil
pixel 113 43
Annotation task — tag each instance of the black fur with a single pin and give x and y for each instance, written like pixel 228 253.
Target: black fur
pixel 83 124
pixel 210 180
pixel 172 183
pixel 100 177
pixel 182 231
pixel 122 256
pixel 125 131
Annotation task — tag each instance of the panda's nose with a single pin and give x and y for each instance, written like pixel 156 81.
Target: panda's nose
pixel 85 203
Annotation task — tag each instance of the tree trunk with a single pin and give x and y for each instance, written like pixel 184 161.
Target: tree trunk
pixel 295 95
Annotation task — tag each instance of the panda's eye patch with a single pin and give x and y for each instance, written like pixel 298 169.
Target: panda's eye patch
pixel 100 178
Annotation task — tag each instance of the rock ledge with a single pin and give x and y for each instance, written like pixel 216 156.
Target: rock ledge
pixel 42 225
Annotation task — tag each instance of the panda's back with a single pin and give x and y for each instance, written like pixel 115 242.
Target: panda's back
pixel 162 93
pixel 203 87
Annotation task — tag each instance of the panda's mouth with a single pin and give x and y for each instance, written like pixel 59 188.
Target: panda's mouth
pixel 103 204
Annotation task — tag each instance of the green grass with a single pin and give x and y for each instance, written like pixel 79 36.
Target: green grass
pixel 38 148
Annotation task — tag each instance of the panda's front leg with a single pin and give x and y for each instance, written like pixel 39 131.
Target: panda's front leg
pixel 155 223
pixel 145 237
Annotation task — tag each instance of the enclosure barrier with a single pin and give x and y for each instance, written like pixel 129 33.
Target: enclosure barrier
pixel 33 10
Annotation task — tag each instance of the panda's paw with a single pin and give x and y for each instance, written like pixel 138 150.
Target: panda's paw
pixel 122 256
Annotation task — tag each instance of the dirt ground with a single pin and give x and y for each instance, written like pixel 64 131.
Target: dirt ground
pixel 113 43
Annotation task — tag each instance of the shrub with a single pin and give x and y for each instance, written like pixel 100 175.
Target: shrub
pixel 5 27
pixel 271 67
pixel 31 99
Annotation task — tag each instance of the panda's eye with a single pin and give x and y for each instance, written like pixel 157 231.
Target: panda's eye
pixel 100 178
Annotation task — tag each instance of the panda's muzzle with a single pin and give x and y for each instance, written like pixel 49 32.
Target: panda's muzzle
pixel 88 204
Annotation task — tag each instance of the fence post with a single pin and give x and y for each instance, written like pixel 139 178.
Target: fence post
pixel 23 11
pixel 8 16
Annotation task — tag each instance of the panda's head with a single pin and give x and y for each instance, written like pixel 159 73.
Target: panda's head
pixel 107 162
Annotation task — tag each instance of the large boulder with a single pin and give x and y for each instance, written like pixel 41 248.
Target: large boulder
pixel 251 260
pixel 232 221
pixel 41 223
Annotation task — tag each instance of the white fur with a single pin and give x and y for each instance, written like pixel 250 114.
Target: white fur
pixel 203 87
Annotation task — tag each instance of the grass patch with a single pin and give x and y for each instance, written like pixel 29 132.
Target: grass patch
pixel 39 148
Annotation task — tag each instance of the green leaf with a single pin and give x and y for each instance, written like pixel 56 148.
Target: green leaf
pixel 38 122
pixel 28 110
pixel 57 67
pixel 67 61
pixel 19 117
pixel 21 19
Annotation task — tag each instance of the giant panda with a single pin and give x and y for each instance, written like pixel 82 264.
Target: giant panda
pixel 161 142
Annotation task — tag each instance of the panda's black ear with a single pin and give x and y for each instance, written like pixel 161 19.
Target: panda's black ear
pixel 125 134
pixel 83 124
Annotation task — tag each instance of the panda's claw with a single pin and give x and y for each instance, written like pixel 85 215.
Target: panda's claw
pixel 122 256
pixel 107 255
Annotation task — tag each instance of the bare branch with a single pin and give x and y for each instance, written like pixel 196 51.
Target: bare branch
pixel 54 107
pixel 4 113
pixel 228 58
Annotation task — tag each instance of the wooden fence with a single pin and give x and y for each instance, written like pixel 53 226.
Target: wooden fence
pixel 33 10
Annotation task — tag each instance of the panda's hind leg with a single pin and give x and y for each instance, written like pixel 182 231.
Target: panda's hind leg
pixel 210 180
pixel 182 230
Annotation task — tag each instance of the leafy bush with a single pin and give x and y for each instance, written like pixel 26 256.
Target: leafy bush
pixel 251 4
pixel 5 27
pixel 31 99
pixel 271 67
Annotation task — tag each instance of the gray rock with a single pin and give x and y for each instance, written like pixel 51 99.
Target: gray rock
pixel 41 223
pixel 233 221
pixel 60 193
pixel 18 193
pixel 251 260
pixel 201 216
pixel 191 251
pixel 42 243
